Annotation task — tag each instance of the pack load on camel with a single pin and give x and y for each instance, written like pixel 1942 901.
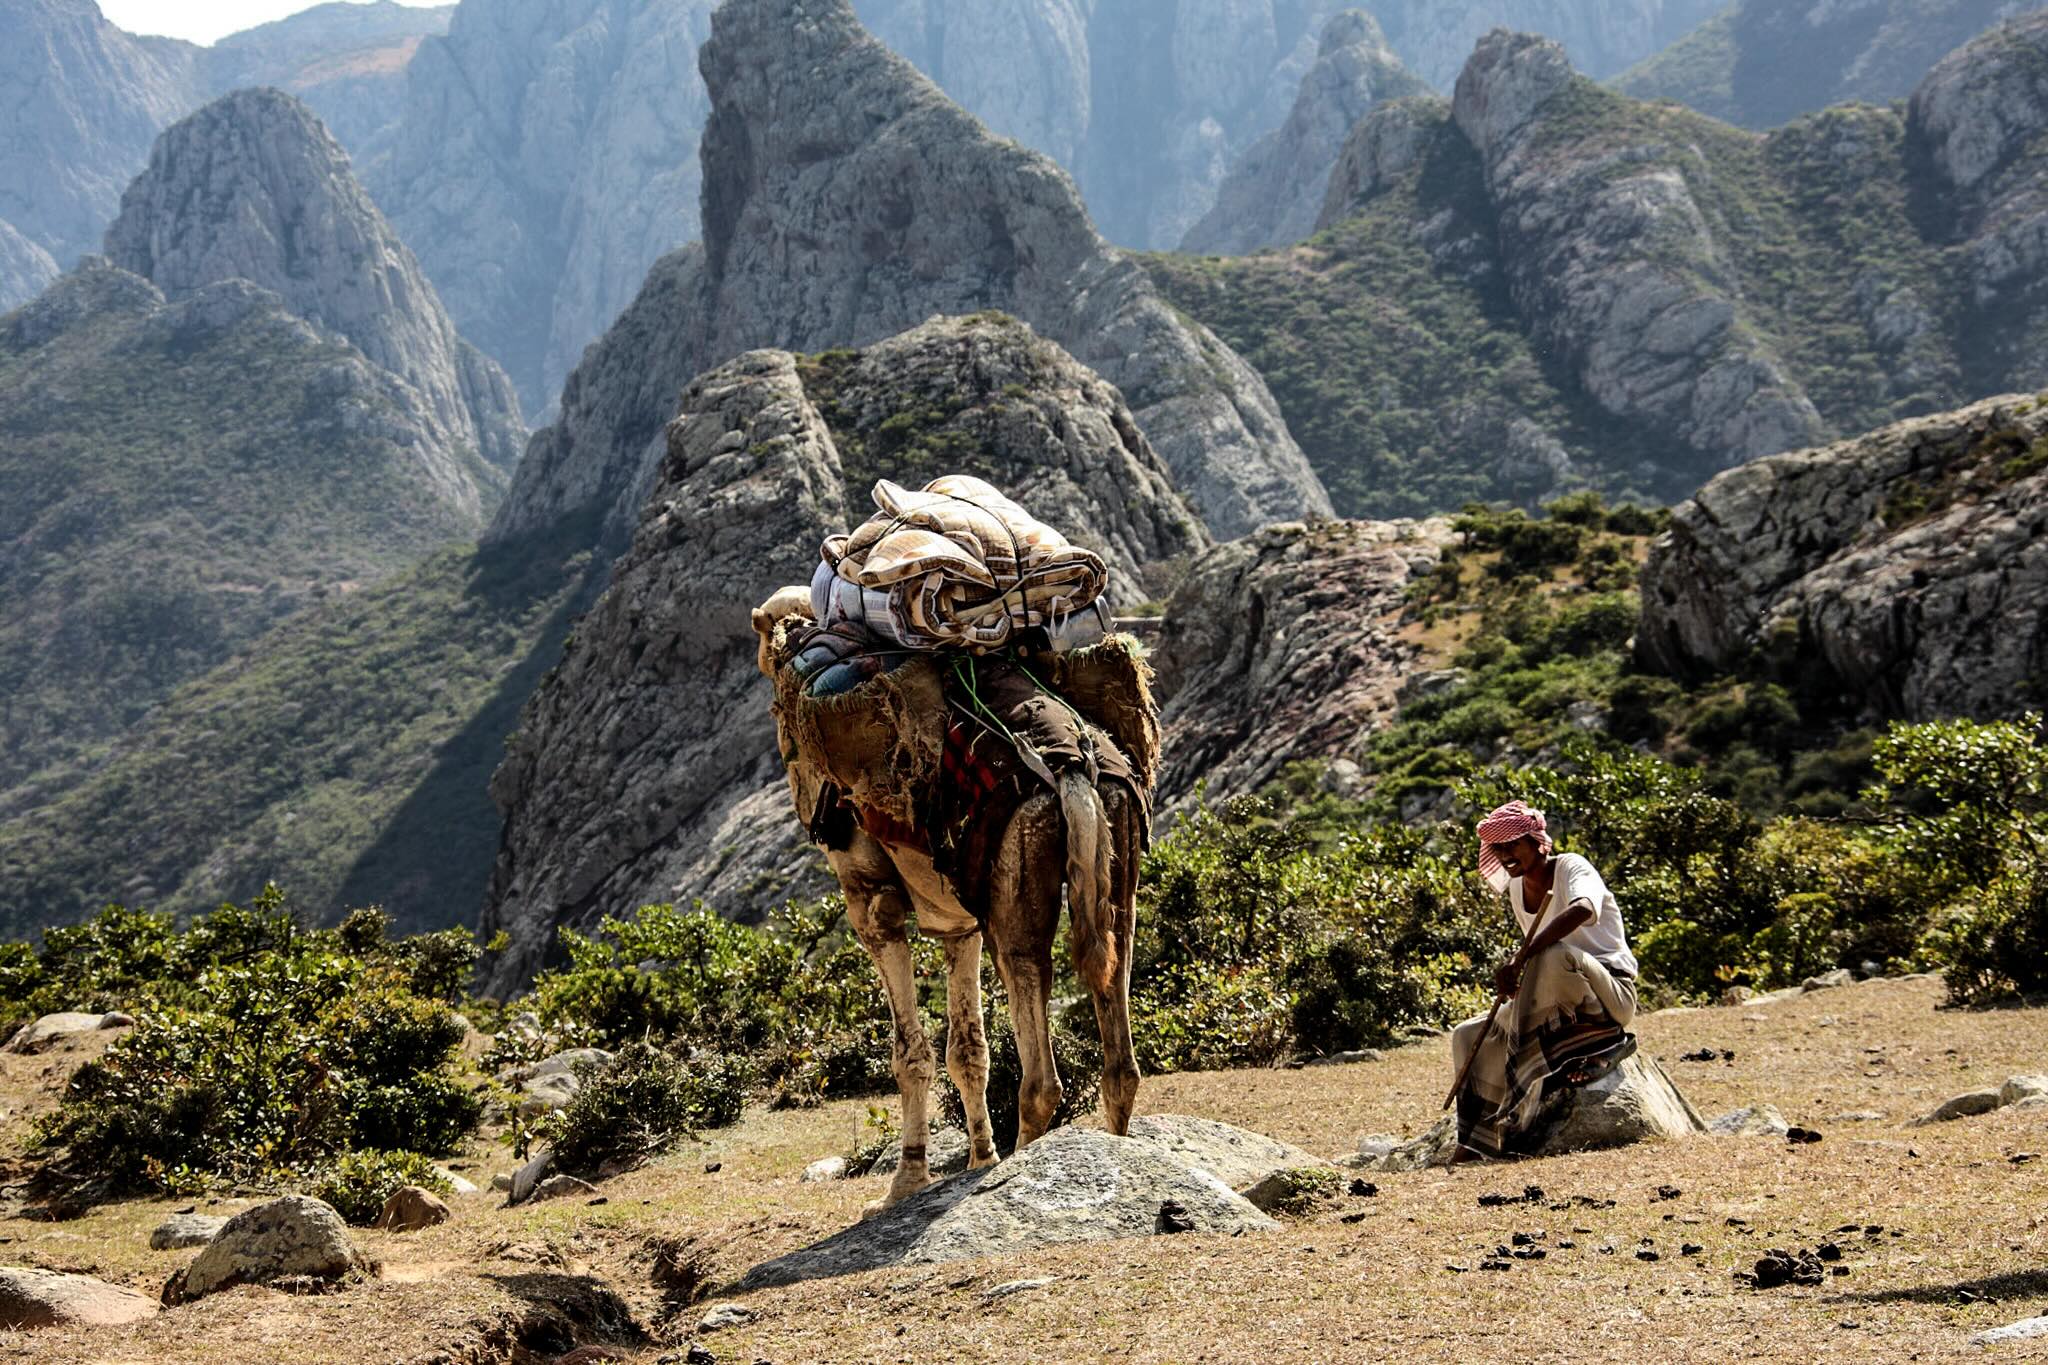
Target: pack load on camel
pixel 967 738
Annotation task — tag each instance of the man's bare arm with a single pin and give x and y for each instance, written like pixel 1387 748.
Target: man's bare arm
pixel 1508 979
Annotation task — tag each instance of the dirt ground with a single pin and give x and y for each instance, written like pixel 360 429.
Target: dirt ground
pixel 1950 1238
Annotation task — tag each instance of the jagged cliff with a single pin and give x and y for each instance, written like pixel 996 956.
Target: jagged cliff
pixel 1904 573
pixel 1761 63
pixel 814 122
pixel 1274 193
pixel 645 767
pixel 1287 646
pixel 253 188
pixel 1544 282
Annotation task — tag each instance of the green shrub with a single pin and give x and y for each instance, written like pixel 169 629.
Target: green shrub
pixel 1212 1017
pixel 643 1100
pixel 358 1184
pixel 1997 947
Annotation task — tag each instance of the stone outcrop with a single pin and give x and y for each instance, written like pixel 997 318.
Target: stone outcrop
pixel 1979 124
pixel 645 769
pixel 1618 272
pixel 51 1029
pixel 1906 571
pixel 1760 63
pixel 32 1298
pixel 295 1238
pixel 1274 193
pixel 935 215
pixel 1285 646
pixel 1072 1185
pixel 252 187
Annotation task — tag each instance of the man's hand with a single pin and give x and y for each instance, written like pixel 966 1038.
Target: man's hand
pixel 1507 978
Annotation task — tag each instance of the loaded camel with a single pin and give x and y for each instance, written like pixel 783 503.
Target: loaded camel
pixel 1078 836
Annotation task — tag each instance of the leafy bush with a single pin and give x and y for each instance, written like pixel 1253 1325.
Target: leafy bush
pixel 358 1184
pixel 1997 947
pixel 642 1101
pixel 280 1062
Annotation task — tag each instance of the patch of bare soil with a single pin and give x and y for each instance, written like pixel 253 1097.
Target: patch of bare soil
pixel 1942 1232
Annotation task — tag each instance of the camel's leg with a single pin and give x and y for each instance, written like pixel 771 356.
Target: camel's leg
pixel 967 1045
pixel 878 910
pixel 1024 911
pixel 1113 1006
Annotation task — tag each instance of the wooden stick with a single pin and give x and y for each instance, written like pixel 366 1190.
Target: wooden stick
pixel 1466 1070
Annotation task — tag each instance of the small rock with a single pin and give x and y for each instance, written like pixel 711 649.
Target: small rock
pixel 724 1315
pixel 46 1032
pixel 1645 1254
pixel 1858 1116
pixel 44 1298
pixel 2017 1088
pixel 1005 1290
pixel 1965 1105
pixel 1668 1192
pixel 2032 1102
pixel 713 1167
pixel 527 1177
pixel 563 1187
pixel 699 1354
pixel 1690 1249
pixel 456 1182
pixel 824 1169
pixel 1799 1136
pixel 1364 1054
pixel 1363 1189
pixel 186 1229
pixel 411 1208
pixel 1756 1120
pixel 502 1182
pixel 2026 1329
pixel 1840 976
pixel 1737 995
pixel 1173 1217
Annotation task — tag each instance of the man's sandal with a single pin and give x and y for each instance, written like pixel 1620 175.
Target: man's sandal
pixel 1587 1070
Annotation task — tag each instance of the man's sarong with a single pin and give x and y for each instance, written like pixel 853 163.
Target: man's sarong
pixel 1569 1007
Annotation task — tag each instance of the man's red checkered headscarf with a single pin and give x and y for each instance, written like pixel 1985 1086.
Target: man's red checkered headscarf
pixel 1513 821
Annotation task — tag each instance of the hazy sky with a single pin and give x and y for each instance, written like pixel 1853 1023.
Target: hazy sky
pixel 202 21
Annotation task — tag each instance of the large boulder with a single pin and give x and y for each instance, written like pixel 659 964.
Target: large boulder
pixel 182 1230
pixel 1235 1156
pixel 296 1238
pixel 1073 1185
pixel 45 1298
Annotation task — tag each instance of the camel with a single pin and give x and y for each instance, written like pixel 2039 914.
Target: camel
pixel 1078 839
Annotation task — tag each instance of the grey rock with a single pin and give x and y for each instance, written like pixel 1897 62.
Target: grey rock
pixel 945 1153
pixel 1073 1185
pixel 1616 270
pixel 723 1315
pixel 1858 1116
pixel 2017 1088
pixel 1829 980
pixel 1760 1120
pixel 1385 1152
pixel 1351 1058
pixel 252 187
pixel 2026 1329
pixel 295 1237
pixel 1238 1158
pixel 1010 1288
pixel 645 769
pixel 565 1063
pixel 815 122
pixel 502 1181
pixel 825 1168
pixel 31 1298
pixel 1278 647
pixel 50 1029
pixel 458 1183
pixel 541 1094
pixel 1969 1104
pixel 528 1177
pixel 1379 149
pixel 563 1187
pixel 1274 193
pixel 1796 560
pixel 183 1230
pixel 1636 1102
pixel 2031 1102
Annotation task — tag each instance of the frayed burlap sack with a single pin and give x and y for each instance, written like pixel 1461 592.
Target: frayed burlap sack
pixel 1111 685
pixel 881 743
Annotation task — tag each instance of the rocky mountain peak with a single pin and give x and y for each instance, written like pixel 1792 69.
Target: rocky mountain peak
pixel 1509 78
pixel 253 187
pixel 1274 193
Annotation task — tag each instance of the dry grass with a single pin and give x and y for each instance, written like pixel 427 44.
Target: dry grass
pixel 1965 1244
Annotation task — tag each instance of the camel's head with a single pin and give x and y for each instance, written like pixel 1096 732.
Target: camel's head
pixel 786 602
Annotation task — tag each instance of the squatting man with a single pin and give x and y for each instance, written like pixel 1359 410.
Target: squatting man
pixel 1563 1001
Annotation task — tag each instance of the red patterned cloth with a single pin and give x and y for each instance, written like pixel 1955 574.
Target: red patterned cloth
pixel 1515 820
